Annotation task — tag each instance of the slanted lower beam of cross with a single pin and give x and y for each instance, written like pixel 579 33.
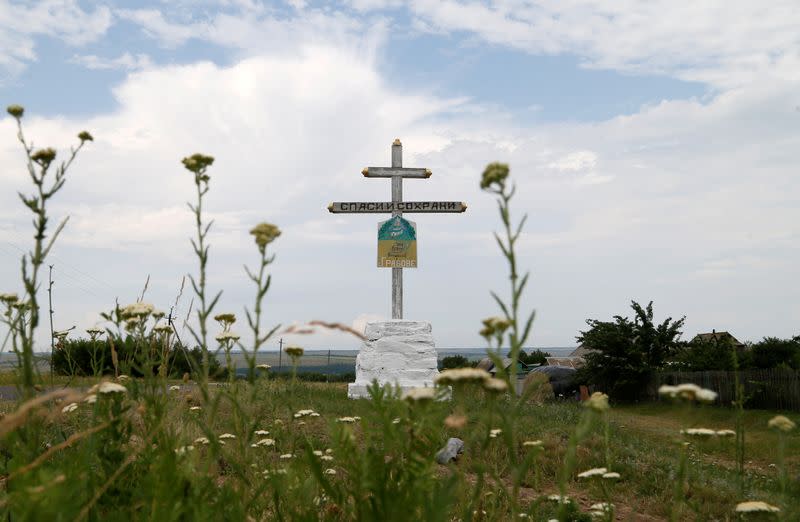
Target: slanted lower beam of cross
pixel 396 207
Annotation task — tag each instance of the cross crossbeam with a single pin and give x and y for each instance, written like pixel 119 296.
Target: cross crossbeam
pixel 396 207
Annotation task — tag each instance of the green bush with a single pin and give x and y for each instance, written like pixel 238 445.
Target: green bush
pixel 453 361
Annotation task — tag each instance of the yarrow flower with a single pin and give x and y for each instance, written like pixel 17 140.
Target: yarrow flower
pixel 304 413
pixel 756 506
pixel 594 472
pixel 346 420
pixel 533 444
pixel 420 394
pixel 9 298
pixel 264 367
pixel 330 471
pixel 174 387
pixel 495 385
pixel 261 432
pixel 699 432
pixel 462 376
pixel 781 423
pixel 598 402
pixel 108 387
pixel 163 329
pixel 326 458
pixel 687 391
pixel 227 436
pixel 286 456
pixel 225 319
pixel 95 331
pixel 726 433
pixel 69 408
pixel 294 351
pixel 494 326
pixel 493 433
pixel 140 310
pixel 227 336
pixel 264 442
pixel 265 233
pixel 15 110
pixel 197 163
pixel 612 475
pixel 202 440
pixel 494 174
pixel 183 449
pixel 195 408
pixel 558 498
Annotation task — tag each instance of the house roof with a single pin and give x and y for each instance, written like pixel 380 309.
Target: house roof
pixel 717 336
pixel 580 351
pixel 565 362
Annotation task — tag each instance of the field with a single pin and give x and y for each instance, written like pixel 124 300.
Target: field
pixel 370 459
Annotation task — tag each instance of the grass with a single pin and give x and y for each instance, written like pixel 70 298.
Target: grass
pixel 644 453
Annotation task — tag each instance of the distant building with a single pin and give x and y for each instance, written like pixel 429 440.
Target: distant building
pixel 566 362
pixel 487 364
pixel 719 337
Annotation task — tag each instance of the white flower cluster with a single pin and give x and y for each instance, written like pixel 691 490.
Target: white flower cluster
pixel 420 394
pixel 602 473
pixel 306 413
pixel 493 433
pixel 107 387
pixel 756 506
pixel 688 392
pixel 263 443
pixel 705 433
pixel 781 423
pixel 227 336
pixel 137 310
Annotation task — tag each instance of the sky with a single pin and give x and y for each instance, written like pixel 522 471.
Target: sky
pixel 654 145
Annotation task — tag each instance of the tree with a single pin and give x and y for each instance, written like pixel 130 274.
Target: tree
pixel 626 352
pixel 772 352
pixel 535 357
pixel 454 361
pixel 715 354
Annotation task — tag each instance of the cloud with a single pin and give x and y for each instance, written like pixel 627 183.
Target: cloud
pixel 723 44
pixel 61 19
pixel 125 61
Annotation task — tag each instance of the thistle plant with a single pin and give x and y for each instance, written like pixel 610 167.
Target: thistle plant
pixel 39 163
pixel 264 234
pixel 198 165
pixel 295 353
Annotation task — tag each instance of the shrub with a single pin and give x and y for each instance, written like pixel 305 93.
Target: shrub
pixel 453 361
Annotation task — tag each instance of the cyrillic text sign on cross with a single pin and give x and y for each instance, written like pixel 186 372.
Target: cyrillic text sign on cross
pixel 396 207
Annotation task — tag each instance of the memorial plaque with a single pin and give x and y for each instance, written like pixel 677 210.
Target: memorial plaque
pixel 397 243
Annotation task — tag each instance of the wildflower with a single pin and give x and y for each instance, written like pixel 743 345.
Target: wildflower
pixel 611 475
pixel 123 378
pixel 227 436
pixel 601 508
pixel 294 351
pixel 705 395
pixel 781 423
pixel 158 314
pixel 462 376
pixel 726 433
pixel 69 408
pixel 265 233
pixel 598 402
pixel 495 385
pixel 558 498
pixel 225 336
pixel 9 298
pixel 494 174
pixel 265 442
pixel 756 506
pixel 328 451
pixel 225 319
pixel 95 331
pixel 108 387
pixel 313 414
pixel 303 413
pixel 532 444
pixel 131 323
pixel 44 157
pixel 15 110
pixel 195 408
pixel 330 471
pixel 197 163
pixel 396 420
pixel 420 394
pixel 261 432
pixel 85 136
pixel 163 329
pixel 594 472
pixel 137 310
pixel 90 399
pixel 667 390
pixel 201 440
pixel 286 456
pixel 317 453
pixel 455 422
pixel 174 387
pixel 699 432
pixel 493 433
pixel 264 367
pixel 60 334
pixel 326 458
pixel 183 449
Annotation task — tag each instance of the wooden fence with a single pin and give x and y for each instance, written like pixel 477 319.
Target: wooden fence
pixel 775 389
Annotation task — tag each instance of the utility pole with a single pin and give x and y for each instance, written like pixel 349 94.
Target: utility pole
pixel 50 302
pixel 280 352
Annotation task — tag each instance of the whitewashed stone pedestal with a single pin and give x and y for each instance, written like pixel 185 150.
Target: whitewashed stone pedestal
pixel 399 352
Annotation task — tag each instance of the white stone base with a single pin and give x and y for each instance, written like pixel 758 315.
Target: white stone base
pixel 397 352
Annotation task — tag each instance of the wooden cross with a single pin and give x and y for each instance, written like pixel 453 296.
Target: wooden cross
pixel 396 207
